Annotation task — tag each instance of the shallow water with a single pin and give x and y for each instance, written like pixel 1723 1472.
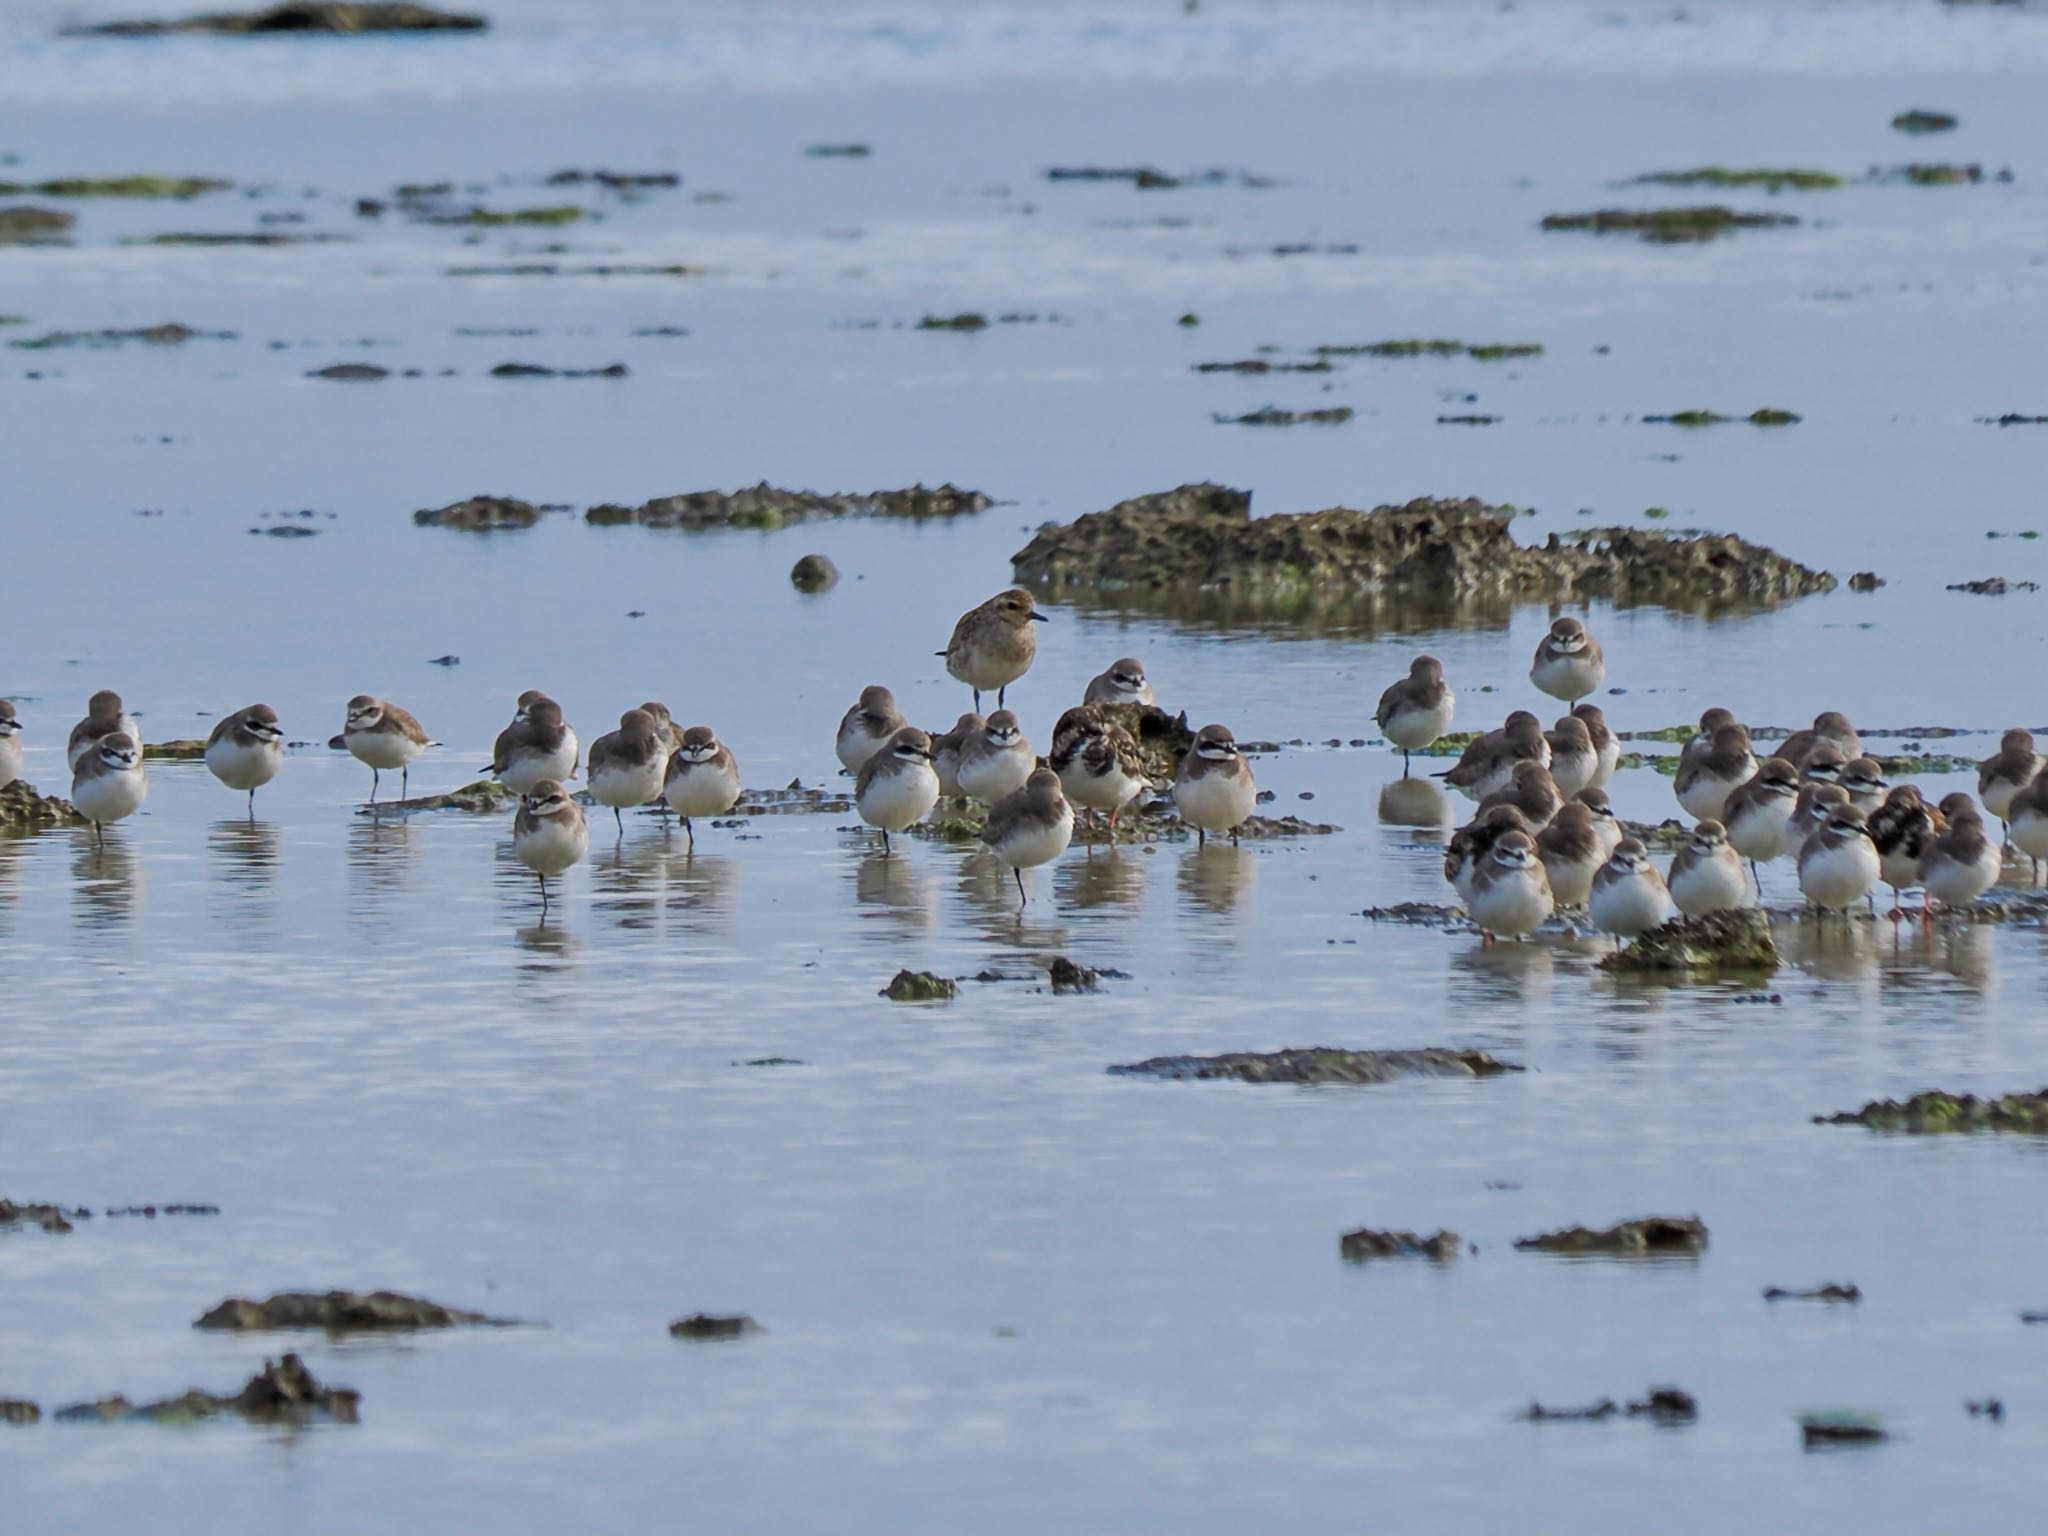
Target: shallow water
pixel 1000 1285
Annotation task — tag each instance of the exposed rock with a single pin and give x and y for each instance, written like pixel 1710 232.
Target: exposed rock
pixel 1763 416
pixel 702 1325
pixel 18 1410
pixel 480 514
pixel 1865 581
pixel 483 796
pixel 2013 419
pixel 51 1218
pixel 342 1312
pixel 300 16
pixel 187 751
pixel 1724 176
pixel 1189 544
pixel 1666 1405
pixel 1069 977
pixel 767 506
pixel 1920 120
pixel 179 187
pixel 281 1393
pixel 1485 352
pixel 837 151
pixel 1829 1292
pixel 1274 416
pixel 1841 1428
pixel 1468 421
pixel 550 216
pixel 1738 939
pixel 1937 175
pixel 151 1212
pixel 539 371
pixel 967 320
pixel 591 269
pixel 214 238
pixel 1643 1235
pixel 1538 1413
pixel 1926 1113
pixel 1257 365
pixel 1322 1064
pixel 34 226
pixel 814 573
pixel 1986 1408
pixel 351 373
pixel 168 335
pixel 617 181
pixel 1366 1243
pixel 1993 586
pixel 908 986
pixel 1667 226
pixel 23 810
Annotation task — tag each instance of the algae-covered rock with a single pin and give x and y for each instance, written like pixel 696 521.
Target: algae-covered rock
pixel 1920 120
pixel 1322 1064
pixel 482 796
pixel 284 1392
pixel 187 751
pixel 170 334
pixel 1933 1112
pixel 1664 1405
pixel 543 371
pixel 908 986
pixel 18 1410
pixel 814 573
pixel 34 226
pixel 23 810
pixel 1667 226
pixel 1642 1236
pixel 1367 1243
pixel 1738 939
pixel 480 514
pixel 334 16
pixel 37 1213
pixel 341 1312
pixel 178 187
pixel 768 506
pixel 703 1325
pixel 1275 416
pixel 351 373
pixel 966 320
pixel 1769 179
pixel 1839 1426
pixel 1186 546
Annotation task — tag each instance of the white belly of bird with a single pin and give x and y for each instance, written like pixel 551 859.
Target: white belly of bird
pixel 1567 677
pixel 10 760
pixel 1957 885
pixel 989 778
pixel 893 801
pixel 1496 781
pixel 1415 729
pixel 530 768
pixel 381 749
pixel 1998 797
pixel 1515 904
pixel 1758 832
pixel 1608 833
pixel 855 748
pixel 1570 880
pixel 1706 797
pixel 1029 847
pixel 620 786
pixel 2030 834
pixel 1216 802
pixel 1900 871
pixel 243 767
pixel 946 765
pixel 553 846
pixel 1610 760
pixel 1713 885
pixel 1110 791
pixel 1629 907
pixel 1573 771
pixel 1839 877
pixel 108 797
pixel 702 791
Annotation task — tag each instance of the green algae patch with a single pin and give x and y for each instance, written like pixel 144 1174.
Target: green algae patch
pixel 178 187
pixel 34 226
pixel 174 751
pixel 1937 1113
pixel 1734 940
pixel 1668 226
pixel 908 986
pixel 1368 1243
pixel 209 239
pixel 1934 175
pixel 553 216
pixel 1727 176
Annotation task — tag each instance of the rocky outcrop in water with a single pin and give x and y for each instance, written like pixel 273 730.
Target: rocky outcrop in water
pixel 1645 1235
pixel 768 506
pixel 1321 1064
pixel 36 1213
pixel 23 810
pixel 908 986
pixel 1201 540
pixel 18 1410
pixel 1367 1243
pixel 704 1326
pixel 480 514
pixel 1738 939
pixel 34 226
pixel 284 1392
pixel 342 1312
pixel 333 16
pixel 1933 1112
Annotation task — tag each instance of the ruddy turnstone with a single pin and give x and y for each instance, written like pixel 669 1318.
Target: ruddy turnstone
pixel 1903 829
pixel 1098 764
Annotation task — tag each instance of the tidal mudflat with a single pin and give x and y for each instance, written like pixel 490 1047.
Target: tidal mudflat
pixel 1062 1249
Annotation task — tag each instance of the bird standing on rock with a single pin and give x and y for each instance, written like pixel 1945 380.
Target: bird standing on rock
pixel 1417 709
pixel 1706 873
pixel 993 645
pixel 1628 896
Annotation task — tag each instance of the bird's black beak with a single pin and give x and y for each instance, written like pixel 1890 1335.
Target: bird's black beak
pixel 1035 614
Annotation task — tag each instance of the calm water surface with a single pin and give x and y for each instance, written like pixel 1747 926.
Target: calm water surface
pixel 1001 1286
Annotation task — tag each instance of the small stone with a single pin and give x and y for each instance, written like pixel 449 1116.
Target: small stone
pixel 702 1325
pixel 1439 1247
pixel 814 573
pixel 919 987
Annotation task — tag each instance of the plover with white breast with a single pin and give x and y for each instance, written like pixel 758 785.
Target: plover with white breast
pixel 1571 853
pixel 1838 863
pixel 626 766
pixel 1711 721
pixel 1818 799
pixel 1606 745
pixel 1213 788
pixel 1706 873
pixel 538 745
pixel 104 715
pixel 897 785
pixel 1473 841
pixel 382 736
pixel 1821 763
pixel 1961 864
pixel 1903 829
pixel 703 778
pixel 1714 773
pixel 1574 763
pixel 1530 790
pixel 664 724
pixel 1758 814
pixel 1863 780
pixel 1418 709
pixel 1031 825
pixel 993 645
pixel 2028 817
pixel 1124 682
pixel 246 749
pixel 996 760
pixel 1830 726
pixel 1510 891
pixel 1568 662
pixel 109 782
pixel 1488 761
pixel 946 751
pixel 10 743
pixel 549 835
pixel 1606 825
pixel 865 727
pixel 1628 897
pixel 1099 766
pixel 2005 773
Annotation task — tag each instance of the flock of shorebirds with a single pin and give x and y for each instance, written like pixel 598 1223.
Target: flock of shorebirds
pixel 1544 839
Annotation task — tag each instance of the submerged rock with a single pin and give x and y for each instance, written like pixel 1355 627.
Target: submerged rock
pixel 35 1213
pixel 483 795
pixel 1189 544
pixel 1993 586
pixel 1829 1292
pixel 480 514
pixel 702 1325
pixel 1928 1113
pixel 342 1312
pixel 1769 179
pixel 1066 976
pixel 1322 1064
pixel 1920 120
pixel 18 1410
pixel 34 226
pixel 23 810
pixel 1841 1427
pixel 170 334
pixel 1645 1235
pixel 351 373
pixel 300 16
pixel 908 986
pixel 1667 226
pixel 814 573
pixel 281 1393
pixel 1366 1243
pixel 1738 939
pixel 187 751
pixel 1274 416
pixel 179 187
pixel 541 371
pixel 768 506
pixel 1666 1405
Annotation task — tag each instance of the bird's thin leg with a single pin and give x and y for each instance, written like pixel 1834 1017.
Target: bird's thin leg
pixel 1021 897
pixel 252 805
pixel 1756 875
pixel 1404 762
pixel 691 832
pixel 619 821
pixel 977 701
pixel 374 777
pixel 1000 693
pixel 1233 837
pixel 405 782
pixel 543 879
pixel 1201 838
pixel 99 837
pixel 885 842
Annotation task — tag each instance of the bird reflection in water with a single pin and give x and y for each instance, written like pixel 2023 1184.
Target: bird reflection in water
pixel 894 895
pixel 1217 878
pixel 1114 879
pixel 107 884
pixel 243 858
pixel 1513 974
pixel 1414 803
pixel 381 852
